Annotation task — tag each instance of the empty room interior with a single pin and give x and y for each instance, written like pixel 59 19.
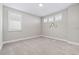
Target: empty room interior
pixel 39 28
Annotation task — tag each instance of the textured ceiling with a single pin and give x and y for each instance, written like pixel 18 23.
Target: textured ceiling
pixel 34 9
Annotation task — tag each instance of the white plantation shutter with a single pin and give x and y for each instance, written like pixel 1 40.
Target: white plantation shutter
pixel 51 19
pixel 58 17
pixel 45 20
pixel 14 21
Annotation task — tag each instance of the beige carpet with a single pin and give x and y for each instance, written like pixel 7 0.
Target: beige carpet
pixel 40 46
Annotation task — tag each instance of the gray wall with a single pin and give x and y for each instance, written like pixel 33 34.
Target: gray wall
pixel 68 28
pixel 30 26
pixel 73 23
pixel 0 25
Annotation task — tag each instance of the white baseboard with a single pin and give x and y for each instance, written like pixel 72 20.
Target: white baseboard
pixel 70 42
pixel 5 42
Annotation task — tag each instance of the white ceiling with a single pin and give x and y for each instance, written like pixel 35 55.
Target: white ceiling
pixel 34 9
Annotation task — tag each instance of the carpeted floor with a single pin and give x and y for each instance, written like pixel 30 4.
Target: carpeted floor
pixel 40 46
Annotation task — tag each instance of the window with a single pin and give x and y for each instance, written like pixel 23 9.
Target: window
pixel 58 17
pixel 14 21
pixel 51 19
pixel 45 20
